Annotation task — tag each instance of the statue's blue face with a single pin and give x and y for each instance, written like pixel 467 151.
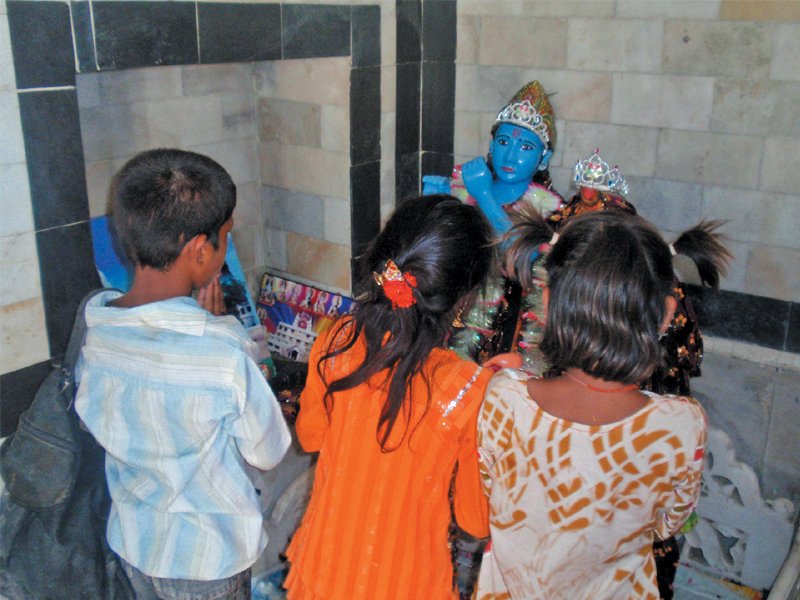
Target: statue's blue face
pixel 516 153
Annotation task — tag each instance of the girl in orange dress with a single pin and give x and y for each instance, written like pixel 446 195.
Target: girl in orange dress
pixel 393 415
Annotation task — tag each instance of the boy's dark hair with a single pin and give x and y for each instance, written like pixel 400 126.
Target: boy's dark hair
pixel 163 198
pixel 609 276
pixel 447 246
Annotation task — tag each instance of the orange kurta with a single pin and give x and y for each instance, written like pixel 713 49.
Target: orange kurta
pixel 376 526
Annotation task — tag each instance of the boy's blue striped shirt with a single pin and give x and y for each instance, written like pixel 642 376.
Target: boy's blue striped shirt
pixel 173 395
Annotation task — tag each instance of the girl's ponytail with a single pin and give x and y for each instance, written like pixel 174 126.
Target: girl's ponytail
pixel 702 244
pixel 529 233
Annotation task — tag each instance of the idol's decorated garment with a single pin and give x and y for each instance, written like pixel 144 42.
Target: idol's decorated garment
pixel 682 343
pixel 504 319
pixel 574 508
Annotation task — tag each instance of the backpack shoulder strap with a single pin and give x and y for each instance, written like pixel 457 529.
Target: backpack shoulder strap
pixel 78 335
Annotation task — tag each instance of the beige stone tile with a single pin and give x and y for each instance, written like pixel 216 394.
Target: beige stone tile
pixel 305 80
pixel 636 45
pixel 562 181
pixel 307 170
pixel 16 214
pixel 244 242
pixel 557 159
pixel 760 10
pixel 569 8
pixel 662 101
pixel 539 42
pixel 275 248
pixel 709 158
pixel 239 157
pixel 756 107
pixel 388 33
pixel 8 81
pixel 482 88
pixel 633 149
pixel 733 281
pixel 468 136
pixel 113 132
pixel 772 271
pixel 786 56
pixel 318 260
pixel 337 220
pixel 576 95
pixel 296 123
pixel 388 89
pixel 199 80
pixel 184 122
pixel 490 8
pixel 248 211
pixel 99 178
pixel 718 48
pixel 23 335
pixel 670 9
pixel 335 128
pixel 239 115
pixel 468 34
pixel 779 172
pixel 19 264
pixel 780 224
pixel 137 85
pixel 11 149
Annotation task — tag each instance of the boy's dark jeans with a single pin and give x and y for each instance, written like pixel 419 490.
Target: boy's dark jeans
pixel 156 588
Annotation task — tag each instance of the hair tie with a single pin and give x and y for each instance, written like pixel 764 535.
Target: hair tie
pixel 672 250
pixel 396 285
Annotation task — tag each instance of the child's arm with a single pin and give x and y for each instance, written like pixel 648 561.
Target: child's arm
pixel 260 431
pixel 312 420
pixel 687 490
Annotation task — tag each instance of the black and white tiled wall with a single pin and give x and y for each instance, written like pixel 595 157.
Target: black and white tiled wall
pixel 50 41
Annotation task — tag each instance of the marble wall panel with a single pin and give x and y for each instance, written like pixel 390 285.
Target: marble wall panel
pixel 708 158
pixel 574 95
pixel 765 108
pixel 294 211
pixel 524 42
pixel 671 9
pixel 16 215
pixel 779 172
pixel 286 122
pixel 318 260
pixel 570 8
pixel 11 150
pixel 635 46
pixel 786 57
pixel 760 10
pixel 18 264
pixel 336 219
pixel 633 149
pixel 468 34
pixel 662 101
pixel 772 271
pixel 335 128
pixel 719 48
pixel 669 205
pixel 7 78
pixel 304 80
pixel 483 88
pixel 23 336
pixel 308 170
pixel 184 122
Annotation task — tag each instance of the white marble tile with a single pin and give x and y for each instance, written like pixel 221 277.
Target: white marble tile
pixel 19 264
pixel 114 132
pixel 526 42
pixel 779 172
pixel 23 335
pixel 633 45
pixel 763 107
pixel 491 8
pixel 482 88
pixel 16 215
pixel 389 89
pixel 8 81
pixel 633 149
pixel 388 33
pixel 308 170
pixel 248 205
pixel 575 95
pixel 671 9
pixel 99 176
pixel 244 242
pixel 662 101
pixel 148 84
pixel 11 147
pixel 335 128
pixel 184 122
pixel 772 271
pixel 239 157
pixel 337 221
pixel 570 8
pixel 275 242
pixel 302 80
pixel 786 56
pixel 467 138
pixel 200 80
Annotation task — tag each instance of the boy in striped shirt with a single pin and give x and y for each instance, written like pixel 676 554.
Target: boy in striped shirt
pixel 173 393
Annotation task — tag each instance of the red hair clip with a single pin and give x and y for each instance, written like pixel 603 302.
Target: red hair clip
pixel 396 285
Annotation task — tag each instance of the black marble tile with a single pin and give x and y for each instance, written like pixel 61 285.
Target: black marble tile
pixel 365 111
pixel 409 28
pixel 438 106
pixel 84 37
pixel 365 215
pixel 231 32
pixel 53 150
pixel 17 390
pixel 742 317
pixel 144 34
pixel 408 108
pixel 406 176
pixel 315 31
pixel 366 36
pixel 66 267
pixel 793 330
pixel 437 163
pixel 439 30
pixel 41 44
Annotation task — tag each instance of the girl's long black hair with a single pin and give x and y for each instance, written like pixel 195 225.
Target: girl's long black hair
pixel 447 246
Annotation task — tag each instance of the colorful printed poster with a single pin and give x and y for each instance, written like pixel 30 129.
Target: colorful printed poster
pixel 117 271
pixel 294 314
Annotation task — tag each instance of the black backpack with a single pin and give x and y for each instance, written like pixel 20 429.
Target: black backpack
pixel 54 509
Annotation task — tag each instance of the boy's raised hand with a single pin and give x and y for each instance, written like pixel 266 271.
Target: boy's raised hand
pixel 210 297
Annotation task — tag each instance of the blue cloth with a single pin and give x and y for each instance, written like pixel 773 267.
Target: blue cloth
pixel 173 395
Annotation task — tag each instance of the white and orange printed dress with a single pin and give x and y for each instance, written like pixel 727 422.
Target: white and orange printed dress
pixel 574 508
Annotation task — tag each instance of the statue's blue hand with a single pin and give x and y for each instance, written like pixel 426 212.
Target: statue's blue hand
pixel 435 184
pixel 477 177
